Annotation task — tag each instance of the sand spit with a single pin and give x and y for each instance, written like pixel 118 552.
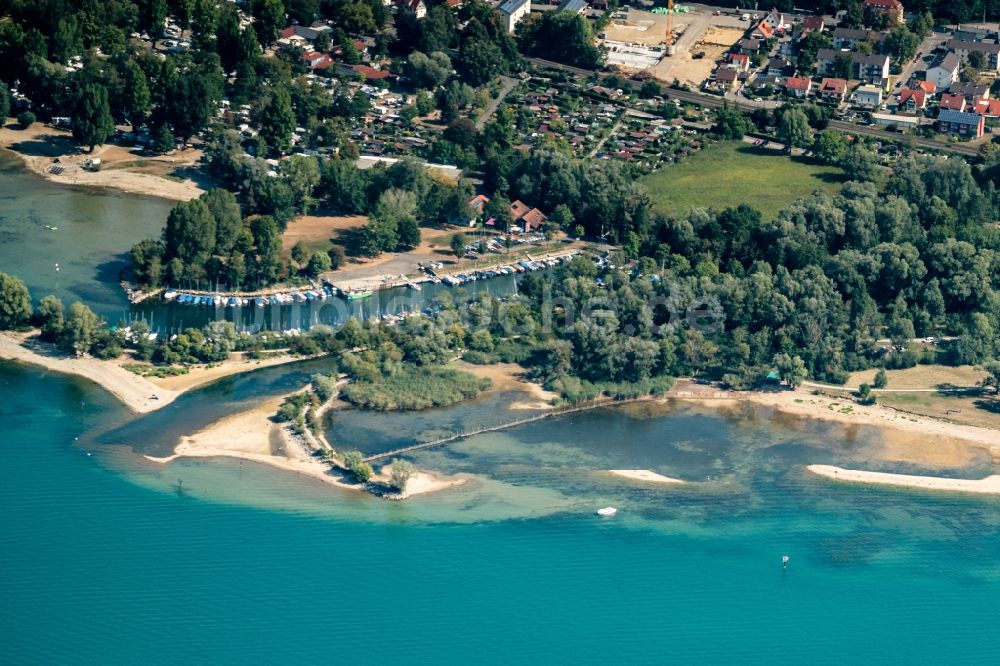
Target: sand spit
pixel 646 475
pixel 990 485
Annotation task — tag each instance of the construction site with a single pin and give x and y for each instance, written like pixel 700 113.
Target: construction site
pixel 675 44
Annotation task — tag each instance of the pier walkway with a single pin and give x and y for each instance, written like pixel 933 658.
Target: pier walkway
pixel 504 426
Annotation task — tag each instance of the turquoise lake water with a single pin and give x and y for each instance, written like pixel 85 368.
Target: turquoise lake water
pixel 102 560
pixel 106 558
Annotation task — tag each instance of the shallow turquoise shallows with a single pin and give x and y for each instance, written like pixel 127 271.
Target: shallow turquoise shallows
pixel 107 560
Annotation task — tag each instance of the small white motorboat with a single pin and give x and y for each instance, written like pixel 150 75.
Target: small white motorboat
pixel 607 511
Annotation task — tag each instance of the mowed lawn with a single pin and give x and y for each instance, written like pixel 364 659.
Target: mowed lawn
pixel 731 173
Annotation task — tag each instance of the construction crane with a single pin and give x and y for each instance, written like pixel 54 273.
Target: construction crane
pixel 670 28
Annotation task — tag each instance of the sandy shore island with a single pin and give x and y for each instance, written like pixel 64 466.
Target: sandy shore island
pixel 251 435
pixel 990 485
pixel 133 391
pixel 39 145
pixel 646 475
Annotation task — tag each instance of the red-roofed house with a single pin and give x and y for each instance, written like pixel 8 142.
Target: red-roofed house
pixel 798 86
pixel 369 72
pixel 477 204
pixel 833 90
pixel 763 30
pixel 518 208
pixel 892 8
pixel 988 107
pixel 912 100
pixel 953 102
pixel 532 220
pixel 418 7
pixel 316 60
pixel 812 24
pixel 739 61
pixel 928 87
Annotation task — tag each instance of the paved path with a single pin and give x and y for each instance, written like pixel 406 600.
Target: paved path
pixel 506 85
pixel 950 389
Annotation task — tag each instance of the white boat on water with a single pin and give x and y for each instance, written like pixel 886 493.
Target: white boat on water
pixel 607 511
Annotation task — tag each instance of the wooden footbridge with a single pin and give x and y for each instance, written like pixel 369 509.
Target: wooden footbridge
pixel 504 426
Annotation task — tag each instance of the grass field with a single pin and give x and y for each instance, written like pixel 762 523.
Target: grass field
pixel 733 173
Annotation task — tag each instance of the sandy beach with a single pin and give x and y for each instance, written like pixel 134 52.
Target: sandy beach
pixel 133 391
pixel 251 435
pixel 39 145
pixel 511 377
pixel 990 485
pixel 841 410
pixel 646 475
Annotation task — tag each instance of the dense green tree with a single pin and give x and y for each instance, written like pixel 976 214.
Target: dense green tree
pixel 50 318
pixel 268 19
pixel 277 122
pixel 81 329
pixel 15 302
pixel 135 93
pixel 400 475
pixel 458 243
pixel 793 131
pixel 829 146
pixel 267 238
pixel 92 123
pixel 225 210
pixel 428 71
pixel 731 124
pixel 319 262
pixel 560 36
pixel 190 232
pixel 791 369
pixel 4 102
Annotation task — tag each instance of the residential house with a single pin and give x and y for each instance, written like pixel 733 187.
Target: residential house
pixel 518 208
pixel 893 9
pixel 944 72
pixel 476 204
pixel 873 69
pixel 849 38
pixel 869 96
pixel 726 76
pixel 513 11
pixel 416 7
pixel 953 102
pixel 989 108
pixel 928 87
pixel 532 220
pixel 780 67
pixel 960 123
pixel 833 90
pixel 990 51
pixel 749 46
pixel 316 60
pixel 367 72
pixel 798 86
pixel 812 24
pixel 970 34
pixel 738 61
pixel 776 20
pixel 912 100
pixel 575 6
pixel 970 91
pixel 763 30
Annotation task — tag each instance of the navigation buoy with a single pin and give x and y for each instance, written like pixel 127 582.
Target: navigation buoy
pixel 784 561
